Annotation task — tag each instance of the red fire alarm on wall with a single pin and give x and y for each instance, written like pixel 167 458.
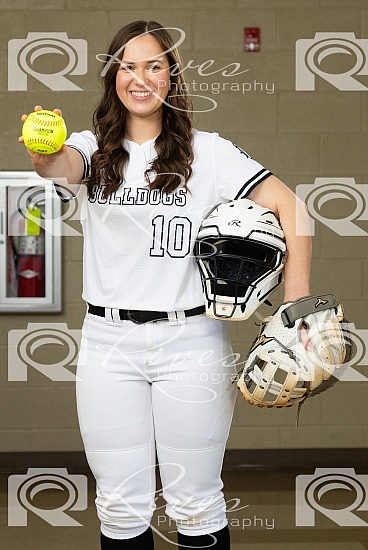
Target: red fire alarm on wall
pixel 252 39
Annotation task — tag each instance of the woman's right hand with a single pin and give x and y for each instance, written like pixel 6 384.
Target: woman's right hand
pixel 43 161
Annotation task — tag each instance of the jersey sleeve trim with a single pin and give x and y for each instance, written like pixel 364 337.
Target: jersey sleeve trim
pixel 252 183
pixel 60 194
pixel 60 190
pixel 86 167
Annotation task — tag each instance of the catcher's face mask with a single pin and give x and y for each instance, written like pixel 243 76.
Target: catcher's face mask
pixel 238 273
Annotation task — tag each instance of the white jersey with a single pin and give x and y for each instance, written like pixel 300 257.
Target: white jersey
pixel 138 243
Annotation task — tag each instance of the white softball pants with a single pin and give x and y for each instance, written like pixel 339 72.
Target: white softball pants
pixel 156 388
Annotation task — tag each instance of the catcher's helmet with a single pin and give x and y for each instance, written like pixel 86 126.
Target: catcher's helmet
pixel 241 252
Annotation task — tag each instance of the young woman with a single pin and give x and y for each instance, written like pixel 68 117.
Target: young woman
pixel 154 374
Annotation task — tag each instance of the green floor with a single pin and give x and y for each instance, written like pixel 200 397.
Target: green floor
pixel 261 513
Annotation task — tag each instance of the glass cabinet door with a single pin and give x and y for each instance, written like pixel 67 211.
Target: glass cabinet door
pixel 30 247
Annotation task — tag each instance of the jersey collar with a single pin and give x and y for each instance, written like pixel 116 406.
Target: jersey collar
pixel 147 148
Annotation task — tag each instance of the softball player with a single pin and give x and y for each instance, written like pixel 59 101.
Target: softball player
pixel 154 373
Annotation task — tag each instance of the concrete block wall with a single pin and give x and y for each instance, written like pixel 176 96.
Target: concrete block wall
pixel 298 135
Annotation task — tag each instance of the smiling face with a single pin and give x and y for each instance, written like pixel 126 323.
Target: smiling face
pixel 143 77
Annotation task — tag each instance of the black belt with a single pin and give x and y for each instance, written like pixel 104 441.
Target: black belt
pixel 138 316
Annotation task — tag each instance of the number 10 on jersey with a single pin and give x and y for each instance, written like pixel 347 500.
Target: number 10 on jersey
pixel 172 237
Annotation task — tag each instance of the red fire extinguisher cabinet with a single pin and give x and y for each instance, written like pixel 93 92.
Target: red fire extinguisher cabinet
pixel 30 243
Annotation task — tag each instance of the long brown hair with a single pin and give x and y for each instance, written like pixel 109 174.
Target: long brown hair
pixel 173 145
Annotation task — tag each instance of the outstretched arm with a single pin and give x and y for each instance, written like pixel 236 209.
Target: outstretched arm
pixel 292 213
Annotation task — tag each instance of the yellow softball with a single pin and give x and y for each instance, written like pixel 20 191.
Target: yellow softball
pixel 44 132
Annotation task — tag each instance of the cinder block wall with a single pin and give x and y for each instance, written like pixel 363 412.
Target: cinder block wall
pixel 298 135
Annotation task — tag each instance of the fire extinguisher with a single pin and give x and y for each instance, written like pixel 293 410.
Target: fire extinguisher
pixel 29 254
